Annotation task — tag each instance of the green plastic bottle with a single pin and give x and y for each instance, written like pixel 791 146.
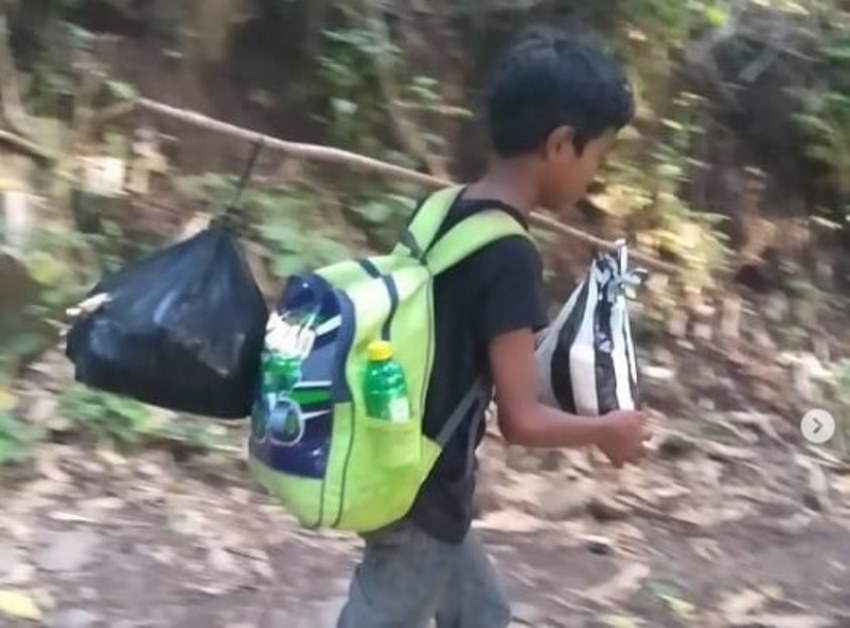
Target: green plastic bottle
pixel 281 373
pixel 385 386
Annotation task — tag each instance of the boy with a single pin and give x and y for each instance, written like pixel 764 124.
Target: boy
pixel 555 107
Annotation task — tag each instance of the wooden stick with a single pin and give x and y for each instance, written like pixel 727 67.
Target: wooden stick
pixel 294 149
pixel 30 148
pixel 368 164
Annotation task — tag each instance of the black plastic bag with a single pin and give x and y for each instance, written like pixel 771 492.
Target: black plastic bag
pixel 181 329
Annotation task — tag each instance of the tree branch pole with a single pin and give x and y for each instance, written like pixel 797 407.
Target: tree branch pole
pixel 368 164
pixel 24 145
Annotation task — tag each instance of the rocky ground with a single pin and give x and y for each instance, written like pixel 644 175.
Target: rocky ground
pixel 732 522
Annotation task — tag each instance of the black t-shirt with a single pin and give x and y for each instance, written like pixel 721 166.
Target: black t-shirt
pixel 492 292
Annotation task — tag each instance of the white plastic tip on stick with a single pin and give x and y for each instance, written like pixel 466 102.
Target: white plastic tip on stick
pixel 89 306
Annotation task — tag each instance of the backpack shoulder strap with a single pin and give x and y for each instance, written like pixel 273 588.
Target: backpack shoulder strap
pixel 469 236
pixel 420 233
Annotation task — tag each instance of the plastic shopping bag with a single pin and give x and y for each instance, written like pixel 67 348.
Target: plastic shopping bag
pixel 181 329
pixel 586 360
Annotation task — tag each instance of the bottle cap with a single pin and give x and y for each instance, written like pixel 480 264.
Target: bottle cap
pixel 379 350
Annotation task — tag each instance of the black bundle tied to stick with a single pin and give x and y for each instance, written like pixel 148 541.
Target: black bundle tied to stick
pixel 182 328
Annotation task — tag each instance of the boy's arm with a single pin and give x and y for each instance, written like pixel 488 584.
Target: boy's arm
pixel 523 420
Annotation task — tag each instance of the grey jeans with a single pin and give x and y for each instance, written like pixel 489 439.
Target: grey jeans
pixel 407 578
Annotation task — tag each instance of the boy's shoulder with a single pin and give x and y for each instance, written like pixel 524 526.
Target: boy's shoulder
pixel 501 285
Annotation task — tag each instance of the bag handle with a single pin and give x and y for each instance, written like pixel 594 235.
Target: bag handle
pixel 228 216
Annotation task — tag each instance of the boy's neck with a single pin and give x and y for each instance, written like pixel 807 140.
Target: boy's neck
pixel 510 181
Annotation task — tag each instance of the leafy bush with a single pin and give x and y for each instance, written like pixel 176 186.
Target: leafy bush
pixel 302 228
pixel 101 416
pixel 824 120
pixel 18 439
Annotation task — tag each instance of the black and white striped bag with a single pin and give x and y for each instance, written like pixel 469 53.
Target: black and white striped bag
pixel 586 360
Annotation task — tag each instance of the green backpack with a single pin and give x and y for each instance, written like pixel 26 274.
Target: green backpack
pixel 312 444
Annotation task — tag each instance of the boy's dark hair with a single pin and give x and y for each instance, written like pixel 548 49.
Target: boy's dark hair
pixel 550 79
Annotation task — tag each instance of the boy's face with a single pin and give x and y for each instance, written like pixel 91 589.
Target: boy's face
pixel 566 173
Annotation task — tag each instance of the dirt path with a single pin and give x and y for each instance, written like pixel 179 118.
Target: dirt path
pixel 699 537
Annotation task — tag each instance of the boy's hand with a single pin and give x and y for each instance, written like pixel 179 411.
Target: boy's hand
pixel 623 438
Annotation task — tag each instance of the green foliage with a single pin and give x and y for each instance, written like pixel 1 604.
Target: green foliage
pixel 194 433
pixel 122 90
pixel 62 264
pixel 358 115
pixel 283 218
pixel 841 372
pixel 382 215
pixel 16 348
pixel 824 120
pixel 347 70
pixel 101 416
pixel 293 246
pixel 65 263
pixel 656 205
pixel 18 439
pixel 841 382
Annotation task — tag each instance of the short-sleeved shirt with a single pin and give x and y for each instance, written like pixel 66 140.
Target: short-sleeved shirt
pixel 494 291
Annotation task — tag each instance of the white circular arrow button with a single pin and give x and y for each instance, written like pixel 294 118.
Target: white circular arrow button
pixel 818 426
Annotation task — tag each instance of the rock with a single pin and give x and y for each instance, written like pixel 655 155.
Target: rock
pixel 706 404
pixel 566 500
pixel 527 614
pixel 703 331
pixel 763 339
pixel 672 444
pixel 43 410
pixel 663 356
pixel 604 508
pixel 19 290
pixel 523 459
pixel 730 318
pixel 599 544
pixel 818 496
pixel 8 559
pixel 677 324
pixel 777 307
pixel 809 375
pixel 74 618
pixel 552 460
pixel 68 551
pixel 188 522
pixel 221 560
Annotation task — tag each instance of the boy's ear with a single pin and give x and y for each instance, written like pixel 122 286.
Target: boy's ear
pixel 560 142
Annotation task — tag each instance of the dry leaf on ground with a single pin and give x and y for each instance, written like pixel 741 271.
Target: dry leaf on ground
pixel 19 605
pixel 622 621
pixel 682 609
